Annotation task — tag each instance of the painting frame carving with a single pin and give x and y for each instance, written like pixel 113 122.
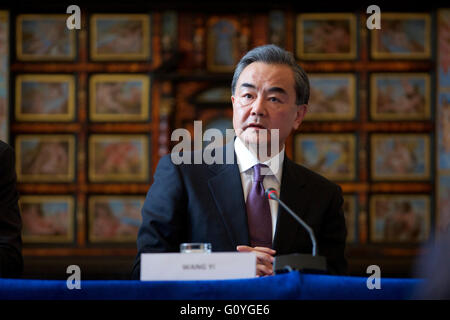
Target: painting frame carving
pixel 351 91
pixel 127 79
pixel 21 49
pixel 116 144
pixel 46 226
pixel 37 154
pixel 414 98
pixel 109 19
pixel 381 140
pixel 110 205
pixel 21 79
pixel 318 154
pixel 232 48
pixel 375 35
pixel 316 18
pixel 397 224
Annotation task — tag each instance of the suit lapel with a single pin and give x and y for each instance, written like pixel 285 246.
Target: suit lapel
pixel 294 197
pixel 226 190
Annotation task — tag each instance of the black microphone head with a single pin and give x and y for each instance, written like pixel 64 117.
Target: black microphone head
pixel 271 193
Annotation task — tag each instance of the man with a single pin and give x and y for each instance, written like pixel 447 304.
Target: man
pixel 432 266
pixel 11 262
pixel 224 204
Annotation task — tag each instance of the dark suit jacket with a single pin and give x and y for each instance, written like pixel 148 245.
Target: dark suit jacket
pixel 11 262
pixel 205 203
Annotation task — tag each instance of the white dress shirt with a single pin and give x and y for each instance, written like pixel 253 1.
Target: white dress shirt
pixel 246 160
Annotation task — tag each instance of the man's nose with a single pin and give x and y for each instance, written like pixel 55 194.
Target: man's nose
pixel 258 107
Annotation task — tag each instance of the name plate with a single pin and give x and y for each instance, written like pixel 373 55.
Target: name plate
pixel 198 266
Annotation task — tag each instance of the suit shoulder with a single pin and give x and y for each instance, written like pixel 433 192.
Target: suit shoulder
pixel 183 164
pixel 192 160
pixel 180 159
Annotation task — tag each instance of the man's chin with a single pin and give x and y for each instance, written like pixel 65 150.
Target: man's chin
pixel 254 140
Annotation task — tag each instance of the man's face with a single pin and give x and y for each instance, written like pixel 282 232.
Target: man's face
pixel 264 98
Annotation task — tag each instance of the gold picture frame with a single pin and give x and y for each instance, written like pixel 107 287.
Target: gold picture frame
pixel 326 101
pixel 47 219
pixel 45 157
pixel 400 96
pixel 114 219
pixel 315 39
pixel 36 92
pixel 400 156
pixel 126 37
pixel 411 37
pixel 119 158
pixel 319 152
pixel 222 57
pixel 399 218
pixel 117 101
pixel 49 34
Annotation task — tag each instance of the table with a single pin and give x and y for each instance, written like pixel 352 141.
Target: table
pixel 288 286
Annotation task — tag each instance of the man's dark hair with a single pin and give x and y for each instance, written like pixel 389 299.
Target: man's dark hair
pixel 271 54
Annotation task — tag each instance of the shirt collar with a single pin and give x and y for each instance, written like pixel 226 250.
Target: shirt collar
pixel 247 160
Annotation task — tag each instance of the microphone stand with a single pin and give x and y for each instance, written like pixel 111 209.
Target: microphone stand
pixel 298 261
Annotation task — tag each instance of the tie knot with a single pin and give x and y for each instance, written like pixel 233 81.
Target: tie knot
pixel 257 176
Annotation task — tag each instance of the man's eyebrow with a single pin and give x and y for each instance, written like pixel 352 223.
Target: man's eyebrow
pixel 277 89
pixel 248 85
pixel 272 89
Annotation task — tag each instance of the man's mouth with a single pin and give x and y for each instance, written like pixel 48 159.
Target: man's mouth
pixel 255 126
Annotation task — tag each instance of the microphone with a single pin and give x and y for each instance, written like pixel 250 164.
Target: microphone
pixel 304 262
pixel 271 193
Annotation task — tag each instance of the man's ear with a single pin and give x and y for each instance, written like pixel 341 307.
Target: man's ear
pixel 232 100
pixel 299 115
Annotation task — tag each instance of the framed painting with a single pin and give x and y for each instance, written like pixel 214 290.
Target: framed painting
pixel 4 76
pixel 222 48
pixel 119 97
pixel 45 157
pixel 214 96
pixel 332 97
pixel 400 156
pixel 277 28
pixel 120 37
pixel 46 98
pixel 326 36
pixel 114 218
pixel 47 219
pixel 349 207
pixel 399 218
pixel 119 158
pixel 331 155
pixel 44 37
pixel 443 49
pixel 402 36
pixel 400 96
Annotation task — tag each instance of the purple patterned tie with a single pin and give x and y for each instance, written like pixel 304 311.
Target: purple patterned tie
pixel 258 212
